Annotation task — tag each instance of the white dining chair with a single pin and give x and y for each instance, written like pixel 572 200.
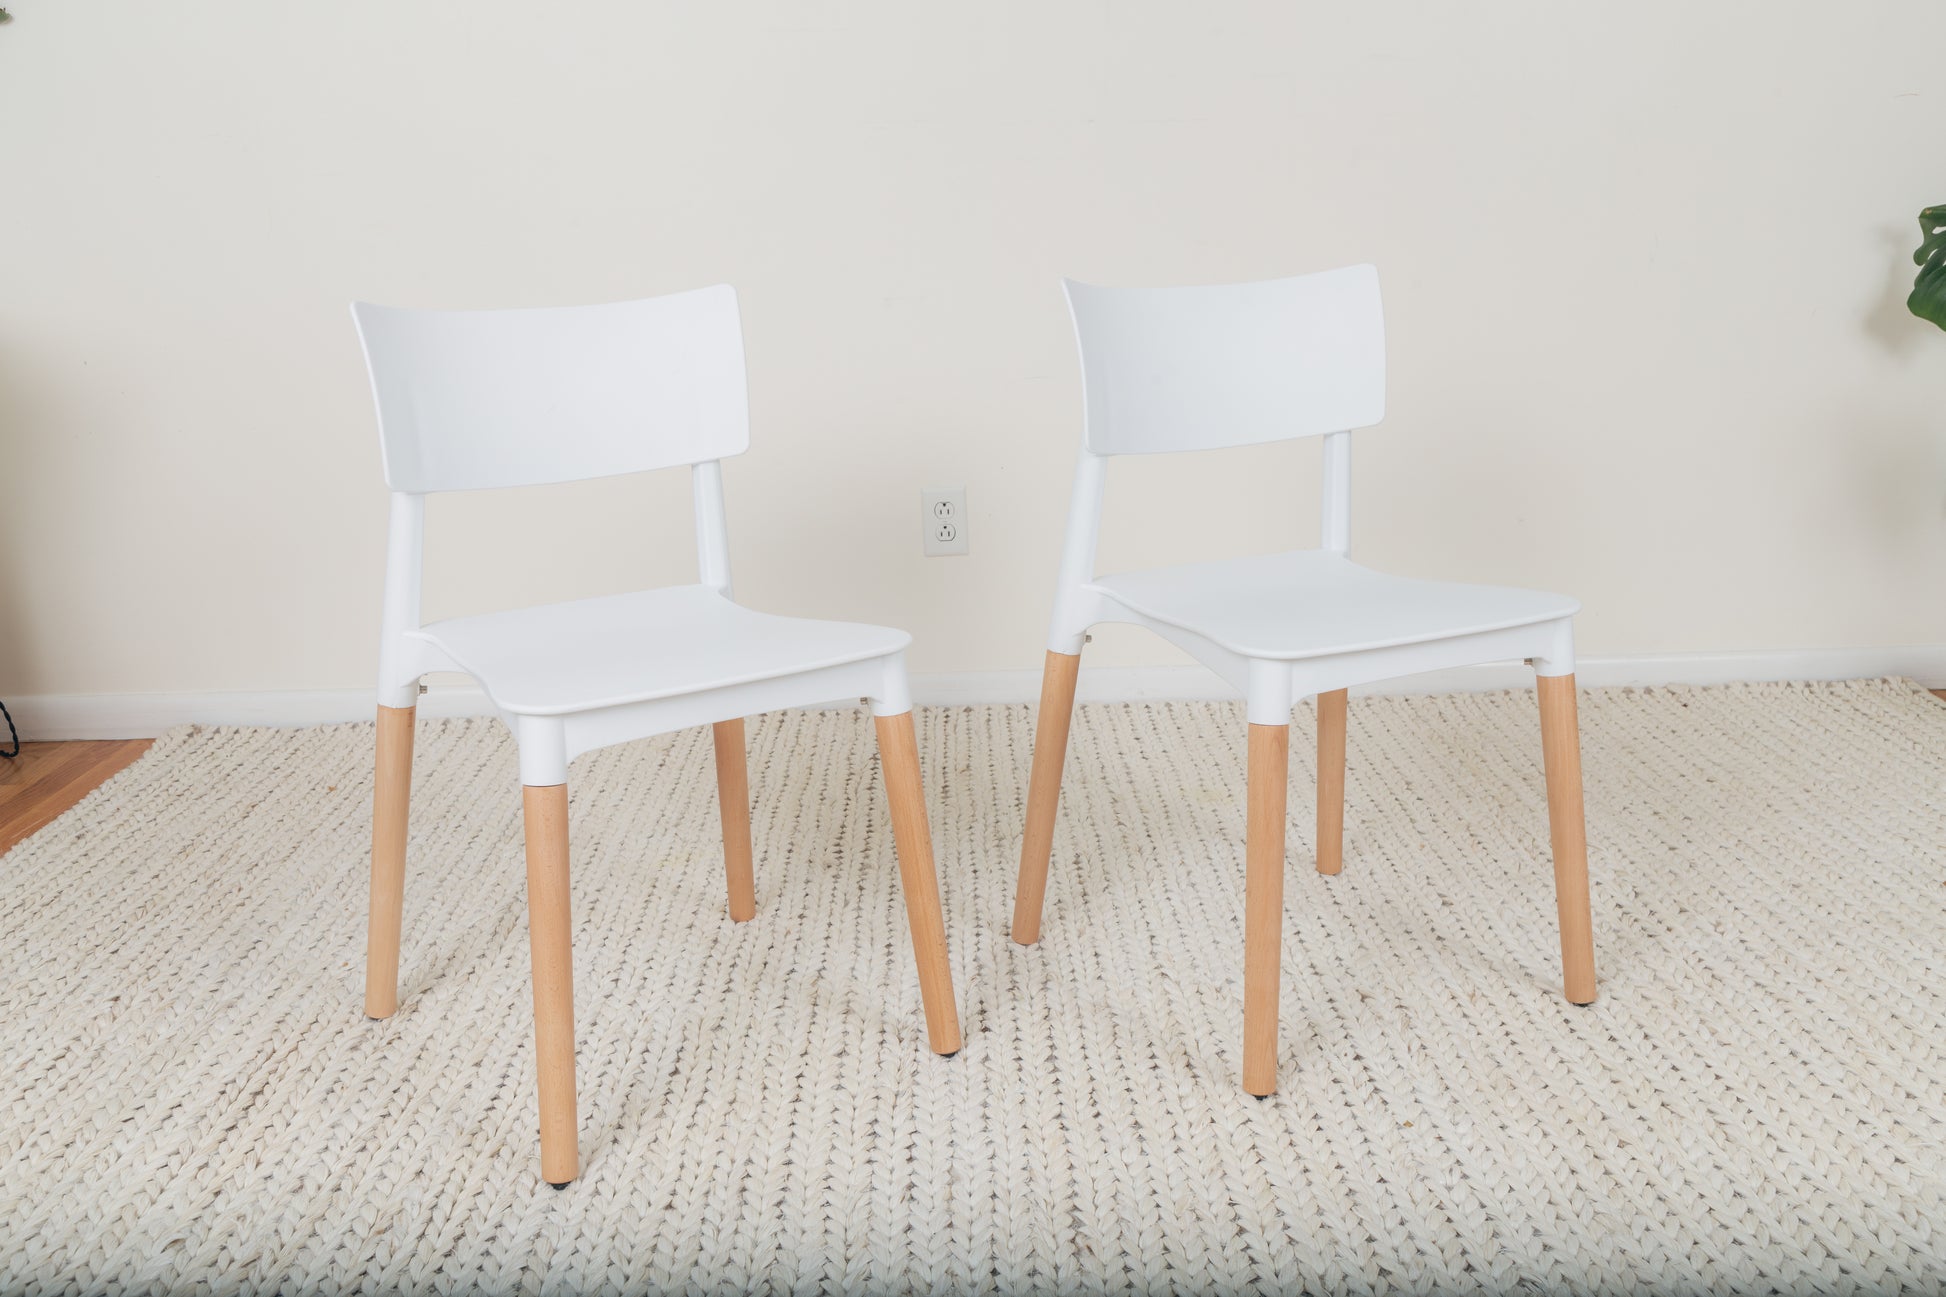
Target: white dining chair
pixel 1178 369
pixel 470 400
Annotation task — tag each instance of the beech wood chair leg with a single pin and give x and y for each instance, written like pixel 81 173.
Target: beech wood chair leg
pixel 899 755
pixel 1561 751
pixel 548 940
pixel 1331 781
pixel 733 804
pixel 391 800
pixel 1263 906
pixel 1044 791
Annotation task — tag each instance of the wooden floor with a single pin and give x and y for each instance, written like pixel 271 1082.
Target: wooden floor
pixel 47 778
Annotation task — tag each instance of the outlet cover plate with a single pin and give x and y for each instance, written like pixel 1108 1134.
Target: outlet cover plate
pixel 942 521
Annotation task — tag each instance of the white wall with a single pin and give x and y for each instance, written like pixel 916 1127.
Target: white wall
pixel 1644 267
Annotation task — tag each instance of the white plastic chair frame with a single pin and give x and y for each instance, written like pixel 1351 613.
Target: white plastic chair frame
pixel 1178 369
pixel 475 399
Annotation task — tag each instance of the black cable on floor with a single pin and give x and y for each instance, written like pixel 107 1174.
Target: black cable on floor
pixel 11 730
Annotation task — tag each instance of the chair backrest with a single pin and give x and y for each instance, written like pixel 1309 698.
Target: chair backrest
pixel 1202 368
pixel 475 399
pixel 1232 364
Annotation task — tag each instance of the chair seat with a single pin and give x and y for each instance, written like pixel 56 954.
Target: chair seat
pixel 628 648
pixel 1313 603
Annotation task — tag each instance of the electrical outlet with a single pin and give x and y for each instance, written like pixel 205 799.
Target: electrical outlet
pixel 942 521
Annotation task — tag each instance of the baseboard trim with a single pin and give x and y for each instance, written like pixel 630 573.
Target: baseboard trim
pixel 133 716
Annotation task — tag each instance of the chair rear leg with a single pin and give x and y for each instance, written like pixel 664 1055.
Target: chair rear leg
pixel 733 804
pixel 1263 906
pixel 899 755
pixel 1561 751
pixel 1331 781
pixel 1044 791
pixel 391 801
pixel 548 941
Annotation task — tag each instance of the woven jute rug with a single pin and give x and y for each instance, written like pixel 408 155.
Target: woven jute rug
pixel 194 1101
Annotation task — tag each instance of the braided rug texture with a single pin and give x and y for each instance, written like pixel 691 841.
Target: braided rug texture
pixel 194 1102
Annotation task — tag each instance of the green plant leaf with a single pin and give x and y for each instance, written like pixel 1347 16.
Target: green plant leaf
pixel 1928 300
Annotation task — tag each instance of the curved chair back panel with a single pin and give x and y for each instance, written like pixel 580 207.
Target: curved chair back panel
pixel 1231 365
pixel 474 399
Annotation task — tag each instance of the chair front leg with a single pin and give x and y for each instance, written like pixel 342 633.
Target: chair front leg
pixel 733 805
pixel 912 837
pixel 1044 791
pixel 1331 781
pixel 1263 906
pixel 391 802
pixel 1561 751
pixel 548 942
